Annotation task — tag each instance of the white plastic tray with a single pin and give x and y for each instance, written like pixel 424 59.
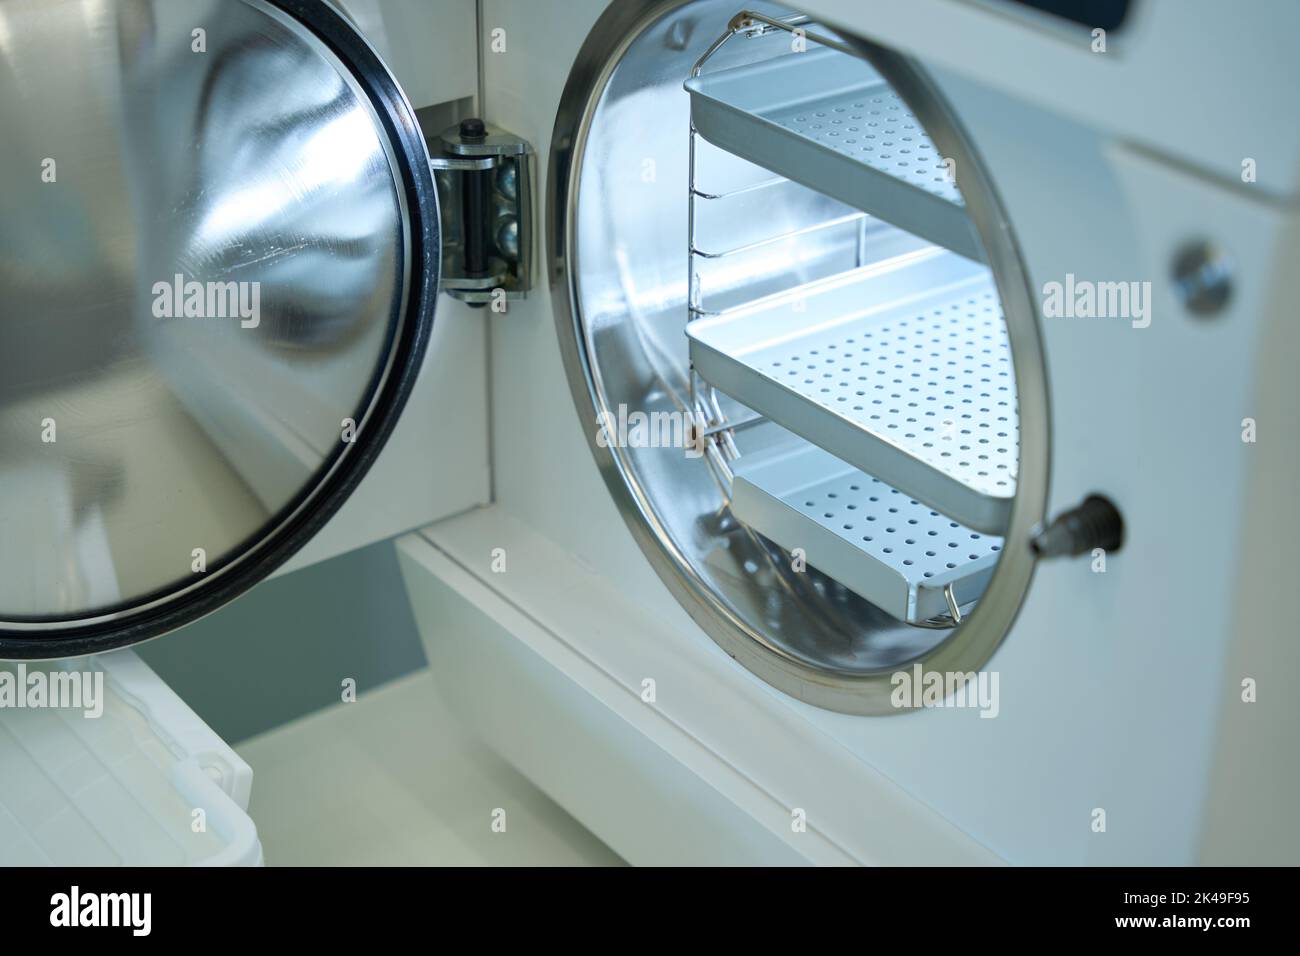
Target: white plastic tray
pixel 121 788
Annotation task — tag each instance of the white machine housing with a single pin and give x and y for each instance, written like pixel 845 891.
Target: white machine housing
pixel 1120 691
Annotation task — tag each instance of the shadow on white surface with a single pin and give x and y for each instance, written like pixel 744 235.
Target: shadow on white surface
pixel 394 779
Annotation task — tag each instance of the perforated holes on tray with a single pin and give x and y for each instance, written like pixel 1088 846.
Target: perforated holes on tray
pixel 877 129
pixel 898 531
pixel 938 383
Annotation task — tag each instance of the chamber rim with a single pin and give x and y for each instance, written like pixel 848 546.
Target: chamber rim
pixel 972 643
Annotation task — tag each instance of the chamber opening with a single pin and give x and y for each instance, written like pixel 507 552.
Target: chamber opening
pixel 768 243
pixel 882 359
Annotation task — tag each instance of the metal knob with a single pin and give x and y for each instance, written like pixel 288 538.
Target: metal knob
pixel 1096 523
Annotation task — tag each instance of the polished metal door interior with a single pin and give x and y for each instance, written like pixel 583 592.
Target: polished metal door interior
pixel 219 251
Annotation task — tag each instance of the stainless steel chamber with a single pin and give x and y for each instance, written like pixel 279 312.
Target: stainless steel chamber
pixel 218 257
pixel 756 228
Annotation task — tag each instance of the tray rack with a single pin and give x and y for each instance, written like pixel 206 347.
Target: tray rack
pixel 930 453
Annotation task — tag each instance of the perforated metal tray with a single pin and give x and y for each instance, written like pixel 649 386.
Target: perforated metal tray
pixel 891 549
pixel 901 369
pixel 828 120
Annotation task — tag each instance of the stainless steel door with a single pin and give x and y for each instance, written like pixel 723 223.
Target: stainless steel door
pixel 219 252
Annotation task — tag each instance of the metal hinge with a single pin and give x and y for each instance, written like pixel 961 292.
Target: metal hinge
pixel 484 178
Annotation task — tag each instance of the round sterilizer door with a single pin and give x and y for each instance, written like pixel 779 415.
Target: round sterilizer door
pixel 800 338
pixel 218 261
